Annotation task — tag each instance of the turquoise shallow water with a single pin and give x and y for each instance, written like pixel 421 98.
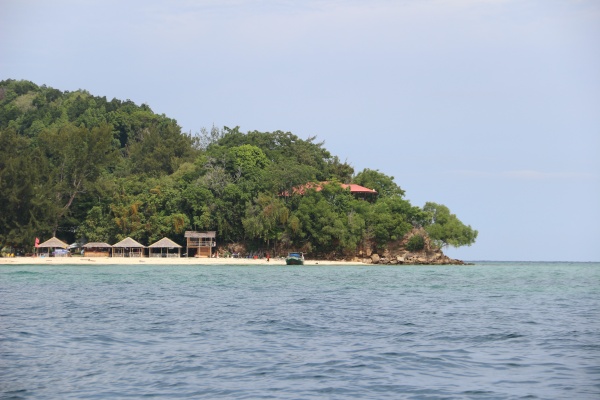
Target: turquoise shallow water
pixel 487 331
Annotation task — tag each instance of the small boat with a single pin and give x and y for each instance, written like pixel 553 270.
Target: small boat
pixel 295 259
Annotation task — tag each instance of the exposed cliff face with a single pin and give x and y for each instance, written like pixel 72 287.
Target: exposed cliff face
pixel 398 253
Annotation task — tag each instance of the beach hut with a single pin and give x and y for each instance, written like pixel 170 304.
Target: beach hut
pixel 53 248
pixel 97 249
pixel 128 248
pixel 75 248
pixel 165 247
pixel 200 244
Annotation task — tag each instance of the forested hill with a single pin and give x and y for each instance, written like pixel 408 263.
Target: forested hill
pixel 82 167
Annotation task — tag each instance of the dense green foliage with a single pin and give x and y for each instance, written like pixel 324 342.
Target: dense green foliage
pixel 445 228
pixel 415 243
pixel 83 167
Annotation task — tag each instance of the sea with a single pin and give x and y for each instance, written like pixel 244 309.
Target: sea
pixel 491 330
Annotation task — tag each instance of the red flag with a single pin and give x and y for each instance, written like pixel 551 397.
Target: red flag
pixel 37 242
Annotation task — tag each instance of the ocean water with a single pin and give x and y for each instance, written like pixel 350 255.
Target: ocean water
pixel 484 331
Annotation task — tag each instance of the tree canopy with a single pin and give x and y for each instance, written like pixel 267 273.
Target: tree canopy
pixel 445 229
pixel 87 168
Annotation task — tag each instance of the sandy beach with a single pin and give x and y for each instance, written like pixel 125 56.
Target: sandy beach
pixel 154 261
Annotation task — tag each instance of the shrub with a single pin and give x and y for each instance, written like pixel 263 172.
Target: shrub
pixel 415 243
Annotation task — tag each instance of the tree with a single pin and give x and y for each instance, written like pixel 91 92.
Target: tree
pixel 382 183
pixel 227 212
pixel 98 225
pixel 77 156
pixel 331 220
pixel 390 219
pixel 248 161
pixel 340 171
pixel 160 149
pixel 266 218
pixel 282 177
pixel 206 137
pixel 445 228
pixel 197 203
pixel 280 147
pixel 24 197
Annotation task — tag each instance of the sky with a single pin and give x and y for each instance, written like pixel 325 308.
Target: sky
pixel 490 107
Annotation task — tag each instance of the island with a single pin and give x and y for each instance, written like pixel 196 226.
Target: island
pixel 86 169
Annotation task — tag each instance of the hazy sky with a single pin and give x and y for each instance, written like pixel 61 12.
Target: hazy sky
pixel 491 107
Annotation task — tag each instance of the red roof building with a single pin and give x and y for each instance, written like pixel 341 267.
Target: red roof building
pixel 355 189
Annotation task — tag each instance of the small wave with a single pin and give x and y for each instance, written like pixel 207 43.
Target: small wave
pixel 397 354
pixel 15 394
pixel 303 300
pixel 495 337
pixel 477 392
pixel 514 382
pixel 263 322
pixel 98 338
pixel 171 370
pixel 24 273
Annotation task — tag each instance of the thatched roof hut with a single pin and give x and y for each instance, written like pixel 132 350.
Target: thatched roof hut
pixel 96 245
pixel 97 249
pixel 52 245
pixel 128 242
pixel 165 247
pixel 128 248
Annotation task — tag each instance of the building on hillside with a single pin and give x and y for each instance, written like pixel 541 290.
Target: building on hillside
pixel 200 244
pixel 358 191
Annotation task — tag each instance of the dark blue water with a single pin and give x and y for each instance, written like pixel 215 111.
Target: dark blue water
pixel 488 331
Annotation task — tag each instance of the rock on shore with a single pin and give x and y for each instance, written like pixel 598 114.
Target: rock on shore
pixel 397 253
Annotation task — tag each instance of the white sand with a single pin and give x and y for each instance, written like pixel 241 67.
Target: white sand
pixel 154 261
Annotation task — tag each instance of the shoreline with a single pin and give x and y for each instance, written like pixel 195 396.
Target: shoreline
pixel 90 261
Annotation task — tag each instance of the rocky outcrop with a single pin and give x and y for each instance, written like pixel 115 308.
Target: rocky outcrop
pixel 395 253
pixel 398 253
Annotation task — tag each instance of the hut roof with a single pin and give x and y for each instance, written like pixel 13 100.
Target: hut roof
pixel 193 234
pixel 164 243
pixel 128 242
pixel 318 186
pixel 354 188
pixel 54 242
pixel 96 245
